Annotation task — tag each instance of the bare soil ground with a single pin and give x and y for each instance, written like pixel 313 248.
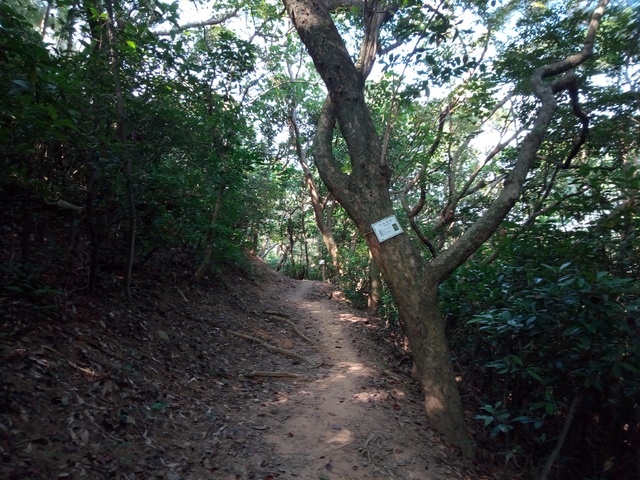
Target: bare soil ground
pixel 253 376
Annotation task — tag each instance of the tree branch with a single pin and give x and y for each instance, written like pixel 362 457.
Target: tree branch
pixel 584 120
pixel 330 172
pixel 444 113
pixel 563 436
pixel 412 220
pixel 198 24
pixel 374 16
pixel 489 222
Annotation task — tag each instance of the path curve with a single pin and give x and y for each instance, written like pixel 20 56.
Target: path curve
pixel 355 420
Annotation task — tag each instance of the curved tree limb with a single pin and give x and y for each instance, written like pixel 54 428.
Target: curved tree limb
pixel 489 222
pixel 584 120
pixel 345 85
pixel 572 89
pixel 414 224
pixel 198 24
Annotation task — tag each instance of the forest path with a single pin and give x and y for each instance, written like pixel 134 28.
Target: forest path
pixel 178 384
pixel 356 419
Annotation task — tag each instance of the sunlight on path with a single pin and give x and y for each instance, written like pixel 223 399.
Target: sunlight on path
pixel 334 427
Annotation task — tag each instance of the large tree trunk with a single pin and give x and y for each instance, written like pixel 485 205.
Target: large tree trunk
pixel 364 193
pixel 424 327
pixel 414 289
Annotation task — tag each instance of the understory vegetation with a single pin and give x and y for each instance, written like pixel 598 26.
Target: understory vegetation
pixel 130 142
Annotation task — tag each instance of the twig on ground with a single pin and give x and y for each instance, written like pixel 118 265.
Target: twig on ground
pixel 182 295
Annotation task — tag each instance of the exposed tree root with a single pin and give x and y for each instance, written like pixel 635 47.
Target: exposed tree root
pixel 271 313
pixel 272 348
pixel 260 373
pixel 285 318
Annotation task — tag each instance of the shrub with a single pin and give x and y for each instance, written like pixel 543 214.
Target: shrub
pixel 569 337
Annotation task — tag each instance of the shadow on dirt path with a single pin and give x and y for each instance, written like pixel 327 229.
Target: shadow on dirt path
pixel 355 419
pixel 249 376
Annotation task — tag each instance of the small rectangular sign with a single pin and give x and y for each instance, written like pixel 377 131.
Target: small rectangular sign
pixel 387 228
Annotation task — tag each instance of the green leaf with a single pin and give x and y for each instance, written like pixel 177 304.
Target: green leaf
pixel 20 86
pixel 629 367
pixel 53 113
pixel 517 360
pixel 573 330
pixel 534 374
pixel 550 408
pixel 159 406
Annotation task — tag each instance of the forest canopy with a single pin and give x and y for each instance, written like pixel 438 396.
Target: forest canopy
pixel 135 137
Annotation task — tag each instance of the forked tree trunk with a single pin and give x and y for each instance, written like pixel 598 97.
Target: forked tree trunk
pixel 364 193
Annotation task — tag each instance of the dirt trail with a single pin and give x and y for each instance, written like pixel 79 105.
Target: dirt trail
pixel 166 388
pixel 356 419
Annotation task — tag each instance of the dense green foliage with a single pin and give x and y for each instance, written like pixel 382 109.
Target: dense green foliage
pixel 544 321
pixel 187 136
pixel 537 338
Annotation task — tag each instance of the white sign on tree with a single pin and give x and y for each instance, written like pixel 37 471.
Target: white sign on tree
pixel 387 228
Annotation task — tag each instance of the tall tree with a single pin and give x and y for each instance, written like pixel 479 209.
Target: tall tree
pixel 122 138
pixel 364 192
pixel 322 208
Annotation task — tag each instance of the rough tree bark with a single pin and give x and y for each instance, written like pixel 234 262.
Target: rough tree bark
pixel 364 193
pixel 375 288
